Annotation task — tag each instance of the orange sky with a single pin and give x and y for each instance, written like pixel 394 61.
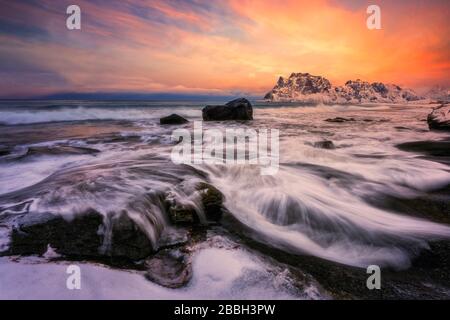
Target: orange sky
pixel 218 47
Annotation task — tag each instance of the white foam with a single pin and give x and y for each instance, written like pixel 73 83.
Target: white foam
pixel 218 274
pixel 89 113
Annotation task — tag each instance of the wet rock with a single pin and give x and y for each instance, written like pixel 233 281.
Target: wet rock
pixel 169 268
pixel 432 205
pixel 238 109
pixel 187 213
pixel 60 150
pixel 77 237
pixel 173 119
pixel 179 214
pixel 212 201
pixel 431 148
pixel 82 236
pixel 439 118
pixel 128 240
pixel 325 144
pixel 4 151
pixel 339 119
pixel 402 128
pixel 173 237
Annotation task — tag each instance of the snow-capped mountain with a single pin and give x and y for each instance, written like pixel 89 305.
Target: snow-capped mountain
pixel 305 87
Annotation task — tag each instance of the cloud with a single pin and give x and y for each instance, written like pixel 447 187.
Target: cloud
pixel 217 46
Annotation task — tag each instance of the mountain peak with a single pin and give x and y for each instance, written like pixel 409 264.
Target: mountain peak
pixel 305 87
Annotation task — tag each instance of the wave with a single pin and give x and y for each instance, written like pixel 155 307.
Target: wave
pixel 303 213
pixel 14 117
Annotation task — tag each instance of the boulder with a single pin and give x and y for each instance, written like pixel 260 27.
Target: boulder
pixel 325 144
pixel 169 268
pixel 186 213
pixel 128 240
pixel 212 201
pixel 238 109
pixel 439 118
pixel 173 119
pixel 76 237
pixel 181 214
pixel 82 236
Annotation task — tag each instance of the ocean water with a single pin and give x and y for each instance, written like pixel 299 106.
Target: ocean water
pixel 325 203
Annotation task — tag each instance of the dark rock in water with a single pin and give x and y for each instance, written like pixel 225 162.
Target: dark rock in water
pixel 78 237
pixel 83 236
pixel 173 237
pixel 128 240
pixel 186 213
pixel 180 213
pixel 60 150
pixel 438 151
pixel 431 148
pixel 432 205
pixel 238 109
pixel 4 151
pixel 212 201
pixel 173 119
pixel 325 144
pixel 339 119
pixel 169 268
pixel 401 128
pixel 439 118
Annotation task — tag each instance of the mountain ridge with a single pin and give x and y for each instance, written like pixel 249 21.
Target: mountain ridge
pixel 304 87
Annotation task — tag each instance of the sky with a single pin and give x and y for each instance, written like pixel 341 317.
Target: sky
pixel 217 47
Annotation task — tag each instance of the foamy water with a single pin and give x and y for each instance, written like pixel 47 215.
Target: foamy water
pixel 317 204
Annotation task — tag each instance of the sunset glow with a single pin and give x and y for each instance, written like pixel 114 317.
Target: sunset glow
pixel 217 47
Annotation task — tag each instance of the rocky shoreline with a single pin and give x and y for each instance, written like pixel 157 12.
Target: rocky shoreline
pixel 183 208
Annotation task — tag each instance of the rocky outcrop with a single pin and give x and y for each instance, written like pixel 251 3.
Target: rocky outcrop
pixel 212 201
pixel 238 109
pixel 127 240
pixel 188 213
pixel 439 118
pixel 82 236
pixel 173 119
pixel 299 85
pixel 76 237
pixel 303 87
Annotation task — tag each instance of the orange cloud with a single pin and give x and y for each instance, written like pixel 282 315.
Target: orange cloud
pixel 235 45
